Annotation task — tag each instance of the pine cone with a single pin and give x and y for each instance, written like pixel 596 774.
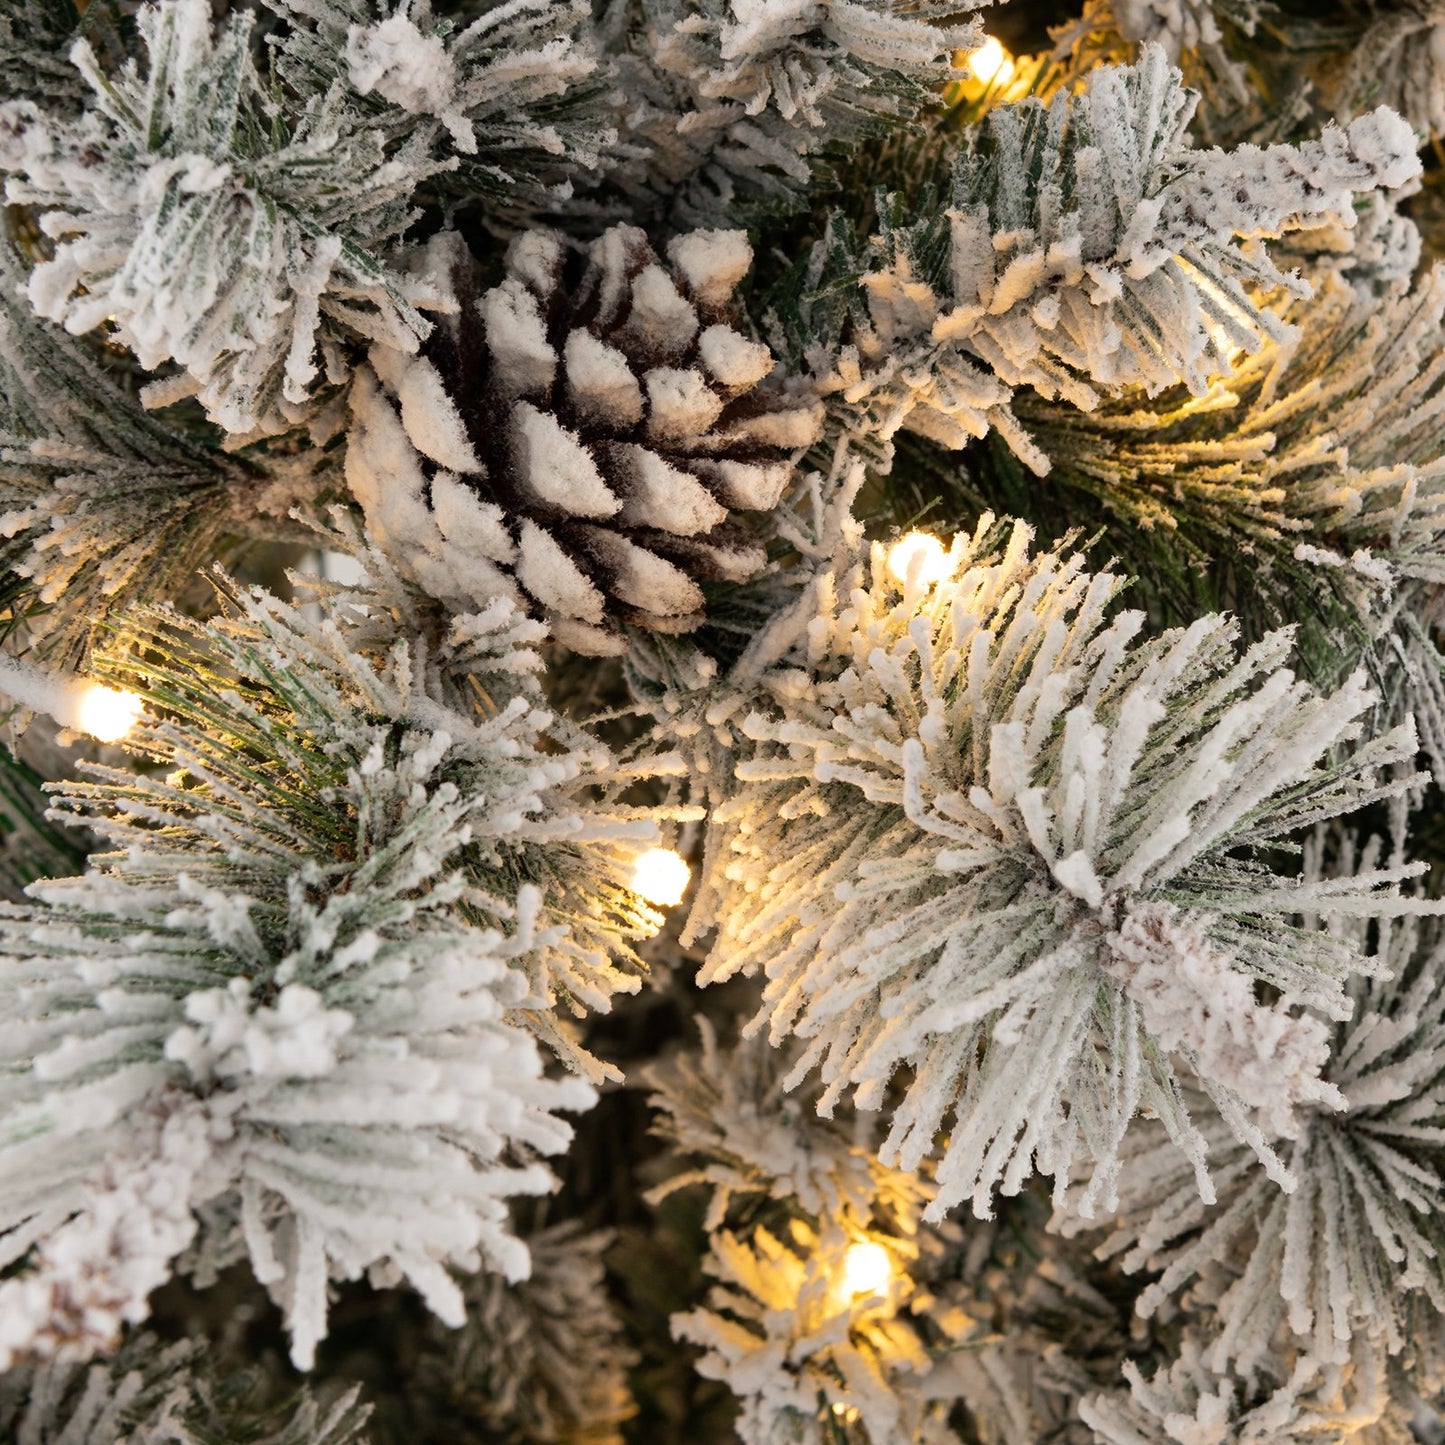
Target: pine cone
pixel 579 443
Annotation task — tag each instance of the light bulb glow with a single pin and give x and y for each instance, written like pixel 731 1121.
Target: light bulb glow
pixel 661 876
pixel 867 1269
pixel 991 62
pixel 919 555
pixel 106 714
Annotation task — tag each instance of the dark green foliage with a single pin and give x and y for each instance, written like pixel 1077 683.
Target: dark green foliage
pixel 31 846
pixel 106 505
pixel 35 41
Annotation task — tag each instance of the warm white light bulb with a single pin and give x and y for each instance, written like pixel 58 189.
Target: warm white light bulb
pixel 924 556
pixel 106 714
pixel 991 62
pixel 867 1269
pixel 660 876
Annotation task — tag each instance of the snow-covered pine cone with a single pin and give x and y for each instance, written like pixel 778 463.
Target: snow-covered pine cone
pixel 579 442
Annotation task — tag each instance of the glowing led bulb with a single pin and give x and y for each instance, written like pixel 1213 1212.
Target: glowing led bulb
pixel 991 62
pixel 107 715
pixel 921 554
pixel 660 876
pixel 867 1269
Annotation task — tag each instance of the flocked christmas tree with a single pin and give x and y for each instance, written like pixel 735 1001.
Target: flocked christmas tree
pixel 724 721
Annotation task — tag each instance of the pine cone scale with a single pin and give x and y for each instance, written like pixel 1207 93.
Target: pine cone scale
pixel 606 429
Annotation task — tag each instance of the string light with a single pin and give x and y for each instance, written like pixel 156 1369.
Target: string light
pixel 867 1269
pixel 661 876
pixel 74 702
pixel 919 557
pixel 991 62
pixel 105 713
